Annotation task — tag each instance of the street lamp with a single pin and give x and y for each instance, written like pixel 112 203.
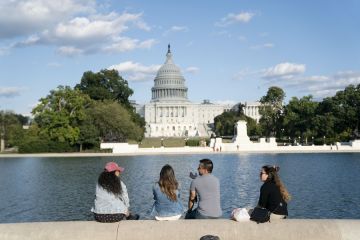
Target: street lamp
pixel 312 140
pixel 324 140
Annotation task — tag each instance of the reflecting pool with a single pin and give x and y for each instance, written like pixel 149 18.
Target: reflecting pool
pixel 322 185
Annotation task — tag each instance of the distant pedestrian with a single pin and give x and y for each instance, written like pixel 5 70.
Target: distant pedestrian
pixel 167 205
pixel 112 200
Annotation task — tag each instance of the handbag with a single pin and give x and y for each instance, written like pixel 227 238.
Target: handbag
pixel 260 215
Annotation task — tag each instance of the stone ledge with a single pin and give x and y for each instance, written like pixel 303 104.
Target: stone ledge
pixel 290 229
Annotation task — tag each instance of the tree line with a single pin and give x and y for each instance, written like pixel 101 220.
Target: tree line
pixel 79 118
pixel 98 109
pixel 302 120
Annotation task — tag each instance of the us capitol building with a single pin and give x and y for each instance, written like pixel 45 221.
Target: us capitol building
pixel 171 114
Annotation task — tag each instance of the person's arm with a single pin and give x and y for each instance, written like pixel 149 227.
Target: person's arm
pixel 125 198
pixel 192 200
pixel 154 193
pixel 264 196
pixel 192 195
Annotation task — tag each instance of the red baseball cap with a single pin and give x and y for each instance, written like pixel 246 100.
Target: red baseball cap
pixel 112 166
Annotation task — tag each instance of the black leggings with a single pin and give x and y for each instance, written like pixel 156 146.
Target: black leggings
pixel 109 218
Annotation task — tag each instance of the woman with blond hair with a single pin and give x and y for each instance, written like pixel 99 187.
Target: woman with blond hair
pixel 167 205
pixel 273 194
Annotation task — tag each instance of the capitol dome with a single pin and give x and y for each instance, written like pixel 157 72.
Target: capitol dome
pixel 169 84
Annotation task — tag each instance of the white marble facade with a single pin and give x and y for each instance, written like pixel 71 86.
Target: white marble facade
pixel 181 119
pixel 171 114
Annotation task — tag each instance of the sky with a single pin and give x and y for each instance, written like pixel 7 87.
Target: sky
pixel 228 51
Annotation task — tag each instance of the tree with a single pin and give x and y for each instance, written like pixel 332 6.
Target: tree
pixel 343 111
pixel 114 122
pixel 348 110
pixel 60 113
pixel 224 123
pixel 89 136
pixel 298 117
pixel 106 85
pixel 10 129
pixel 271 111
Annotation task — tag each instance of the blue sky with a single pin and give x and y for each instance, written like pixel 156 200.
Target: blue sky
pixel 228 51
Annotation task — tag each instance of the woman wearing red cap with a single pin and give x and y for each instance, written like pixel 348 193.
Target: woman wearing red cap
pixel 112 200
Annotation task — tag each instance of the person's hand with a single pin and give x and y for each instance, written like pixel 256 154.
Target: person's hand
pixel 192 175
pixel 127 213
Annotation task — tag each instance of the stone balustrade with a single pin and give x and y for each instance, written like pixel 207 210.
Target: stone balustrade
pixel 289 229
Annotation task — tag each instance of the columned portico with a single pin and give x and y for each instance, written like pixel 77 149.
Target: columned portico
pixel 170 113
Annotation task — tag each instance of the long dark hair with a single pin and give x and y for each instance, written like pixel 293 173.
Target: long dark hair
pixel 110 182
pixel 168 183
pixel 272 172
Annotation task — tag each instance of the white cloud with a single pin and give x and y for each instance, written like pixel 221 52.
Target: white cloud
pixel 128 44
pixel 243 74
pixel 69 51
pixel 136 71
pixel 191 70
pixel 231 18
pixel 319 86
pixel 9 92
pixel 223 33
pixel 176 29
pixel 327 86
pixel 22 17
pixel 265 45
pixel 31 40
pixel 242 38
pixel 73 26
pixel 284 70
pixel 147 44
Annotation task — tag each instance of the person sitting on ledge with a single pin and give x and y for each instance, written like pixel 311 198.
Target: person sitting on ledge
pixel 273 194
pixel 167 205
pixel 112 201
pixel 207 188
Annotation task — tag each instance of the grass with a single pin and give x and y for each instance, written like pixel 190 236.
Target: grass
pixel 167 142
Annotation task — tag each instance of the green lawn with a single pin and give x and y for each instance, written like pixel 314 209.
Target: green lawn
pixel 167 142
